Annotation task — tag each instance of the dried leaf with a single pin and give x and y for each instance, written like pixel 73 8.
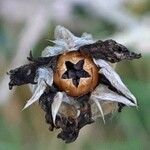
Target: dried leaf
pixel 109 50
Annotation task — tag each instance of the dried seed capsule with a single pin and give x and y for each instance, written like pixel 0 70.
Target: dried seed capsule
pixel 76 73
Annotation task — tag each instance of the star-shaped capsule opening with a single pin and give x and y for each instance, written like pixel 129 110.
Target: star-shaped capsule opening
pixel 75 72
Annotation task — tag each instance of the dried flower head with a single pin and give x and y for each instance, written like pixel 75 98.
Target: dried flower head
pixel 75 81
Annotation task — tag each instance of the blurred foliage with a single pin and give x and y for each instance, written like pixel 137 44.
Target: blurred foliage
pixel 142 7
pixel 129 130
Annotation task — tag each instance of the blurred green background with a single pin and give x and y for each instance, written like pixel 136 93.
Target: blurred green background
pixel 27 25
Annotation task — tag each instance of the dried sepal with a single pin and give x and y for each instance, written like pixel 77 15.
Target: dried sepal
pixel 66 41
pixel 61 33
pixel 36 95
pixel 97 102
pixel 108 108
pixel 56 105
pixel 109 50
pixel 44 77
pixel 103 93
pixel 115 80
pixel 51 51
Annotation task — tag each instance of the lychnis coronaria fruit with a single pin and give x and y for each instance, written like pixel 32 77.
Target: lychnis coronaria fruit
pixel 76 73
pixel 75 82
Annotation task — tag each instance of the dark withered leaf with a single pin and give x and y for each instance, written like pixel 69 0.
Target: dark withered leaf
pixel 46 101
pixel 42 61
pixel 47 97
pixel 69 131
pixel 84 98
pixel 109 50
pixel 22 75
pixel 26 74
pixel 71 127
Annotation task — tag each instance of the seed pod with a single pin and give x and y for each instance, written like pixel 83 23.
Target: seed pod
pixel 76 73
